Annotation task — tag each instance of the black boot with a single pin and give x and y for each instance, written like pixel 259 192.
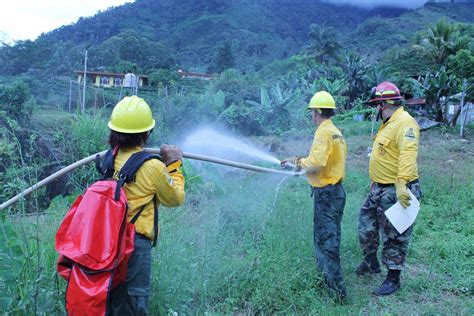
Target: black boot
pixel 370 265
pixel 390 285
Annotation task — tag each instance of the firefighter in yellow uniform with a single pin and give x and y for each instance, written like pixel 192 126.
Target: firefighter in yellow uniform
pixel 325 169
pixel 156 182
pixel 393 170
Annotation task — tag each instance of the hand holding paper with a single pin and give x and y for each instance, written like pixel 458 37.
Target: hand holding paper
pixel 402 218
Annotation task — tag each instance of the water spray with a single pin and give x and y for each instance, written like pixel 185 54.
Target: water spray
pixel 91 158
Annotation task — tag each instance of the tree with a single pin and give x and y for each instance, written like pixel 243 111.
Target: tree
pixel 225 59
pixel 163 78
pixel 441 41
pixel 323 42
pixel 355 69
pixel 462 66
pixel 130 47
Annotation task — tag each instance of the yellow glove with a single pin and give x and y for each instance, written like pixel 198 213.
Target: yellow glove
pixel 402 193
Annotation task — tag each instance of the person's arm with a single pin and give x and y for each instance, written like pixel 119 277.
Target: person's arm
pixel 169 185
pixel 318 154
pixel 408 139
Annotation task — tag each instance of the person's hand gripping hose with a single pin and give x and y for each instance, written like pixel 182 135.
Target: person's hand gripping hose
pixel 170 154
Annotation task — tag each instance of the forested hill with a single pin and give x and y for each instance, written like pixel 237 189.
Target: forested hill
pixel 192 30
pixel 154 34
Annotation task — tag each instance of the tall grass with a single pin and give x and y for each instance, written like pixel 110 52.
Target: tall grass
pixel 237 246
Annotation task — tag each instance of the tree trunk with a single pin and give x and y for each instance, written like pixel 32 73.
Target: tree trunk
pixel 439 116
pixel 455 117
pixel 438 108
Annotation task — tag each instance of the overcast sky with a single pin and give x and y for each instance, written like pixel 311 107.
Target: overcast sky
pixel 27 19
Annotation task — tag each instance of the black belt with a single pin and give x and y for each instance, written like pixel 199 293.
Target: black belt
pixel 384 185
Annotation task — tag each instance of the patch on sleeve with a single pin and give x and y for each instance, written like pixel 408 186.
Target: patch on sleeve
pixel 410 134
pixel 170 180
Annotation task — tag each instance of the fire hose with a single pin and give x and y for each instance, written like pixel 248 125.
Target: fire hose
pixel 91 158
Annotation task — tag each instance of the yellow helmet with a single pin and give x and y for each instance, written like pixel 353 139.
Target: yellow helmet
pixel 322 100
pixel 131 115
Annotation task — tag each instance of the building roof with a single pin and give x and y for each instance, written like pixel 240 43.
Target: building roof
pixel 416 101
pixel 102 73
pixel 194 74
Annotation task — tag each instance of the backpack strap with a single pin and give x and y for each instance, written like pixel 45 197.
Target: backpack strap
pixel 155 221
pixel 131 166
pixel 127 174
pixel 106 166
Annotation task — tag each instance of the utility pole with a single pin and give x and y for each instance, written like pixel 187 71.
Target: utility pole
pixel 464 88
pixel 70 94
pixel 83 108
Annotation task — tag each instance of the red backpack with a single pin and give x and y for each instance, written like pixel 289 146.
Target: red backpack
pixel 95 241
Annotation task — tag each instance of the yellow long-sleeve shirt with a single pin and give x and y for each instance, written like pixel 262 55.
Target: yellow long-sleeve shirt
pixel 152 178
pixel 326 161
pixel 395 149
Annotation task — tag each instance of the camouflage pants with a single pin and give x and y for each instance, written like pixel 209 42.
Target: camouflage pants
pixel 329 203
pixel 372 222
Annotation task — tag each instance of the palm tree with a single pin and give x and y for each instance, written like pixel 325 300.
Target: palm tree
pixel 442 41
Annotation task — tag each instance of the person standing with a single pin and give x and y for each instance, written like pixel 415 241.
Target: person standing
pixel 393 170
pixel 325 169
pixel 156 182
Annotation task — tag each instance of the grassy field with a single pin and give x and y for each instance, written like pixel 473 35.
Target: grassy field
pixel 242 243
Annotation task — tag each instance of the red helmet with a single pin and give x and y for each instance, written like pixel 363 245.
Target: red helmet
pixel 383 92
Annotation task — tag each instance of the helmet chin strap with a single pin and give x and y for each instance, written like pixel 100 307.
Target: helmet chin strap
pixel 379 112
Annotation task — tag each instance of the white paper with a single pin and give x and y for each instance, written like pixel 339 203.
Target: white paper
pixel 402 218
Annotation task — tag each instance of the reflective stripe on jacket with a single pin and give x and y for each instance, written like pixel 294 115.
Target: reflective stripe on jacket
pixel 325 163
pixel 152 178
pixel 395 149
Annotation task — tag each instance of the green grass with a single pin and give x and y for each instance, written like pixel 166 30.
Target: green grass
pixel 239 246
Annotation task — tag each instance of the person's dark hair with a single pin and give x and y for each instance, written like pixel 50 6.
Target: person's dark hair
pixel 327 113
pixel 123 140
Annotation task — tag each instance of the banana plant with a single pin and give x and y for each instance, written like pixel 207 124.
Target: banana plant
pixel 437 88
pixel 276 104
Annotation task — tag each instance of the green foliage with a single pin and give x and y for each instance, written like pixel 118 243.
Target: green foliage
pixel 163 78
pixel 16 100
pixel 406 62
pixel 84 135
pixel 441 41
pixel 356 68
pixel 224 60
pixel 324 43
pixel 436 86
pixel 234 249
pixel 462 64
pixel 11 261
pixel 128 51
pixel 155 34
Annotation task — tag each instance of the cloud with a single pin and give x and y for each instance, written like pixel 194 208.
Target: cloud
pixel 27 19
pixel 410 4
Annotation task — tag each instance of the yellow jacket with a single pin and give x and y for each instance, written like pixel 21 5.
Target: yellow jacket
pixel 152 178
pixel 395 149
pixel 325 163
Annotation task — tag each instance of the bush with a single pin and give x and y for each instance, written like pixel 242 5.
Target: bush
pixel 16 100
